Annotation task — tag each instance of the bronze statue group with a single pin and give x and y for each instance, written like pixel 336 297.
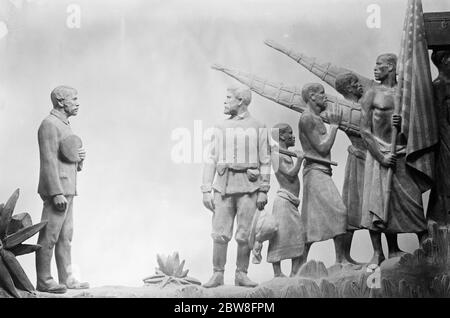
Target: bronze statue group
pixel 381 192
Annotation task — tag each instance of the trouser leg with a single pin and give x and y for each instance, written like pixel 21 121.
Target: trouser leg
pixel 246 208
pixel 219 256
pixel 63 245
pixel 243 258
pixel 222 229
pixel 48 237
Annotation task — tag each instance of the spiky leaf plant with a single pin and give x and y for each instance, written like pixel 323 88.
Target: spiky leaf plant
pixel 14 230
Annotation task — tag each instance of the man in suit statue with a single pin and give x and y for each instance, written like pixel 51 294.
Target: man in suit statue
pixel 57 188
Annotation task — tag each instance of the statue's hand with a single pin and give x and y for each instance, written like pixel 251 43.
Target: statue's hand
pixel 82 153
pixel 396 120
pixel 389 160
pixel 261 201
pixel 335 115
pixel 300 154
pixel 60 202
pixel 208 201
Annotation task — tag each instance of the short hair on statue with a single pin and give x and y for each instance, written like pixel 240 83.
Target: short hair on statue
pixel 241 92
pixel 343 80
pixel 391 58
pixel 60 93
pixel 310 88
pixel 279 129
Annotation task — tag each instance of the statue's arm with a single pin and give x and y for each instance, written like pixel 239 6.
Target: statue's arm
pixel 366 126
pixel 285 166
pixel 321 145
pixel 48 151
pixel 209 168
pixel 264 160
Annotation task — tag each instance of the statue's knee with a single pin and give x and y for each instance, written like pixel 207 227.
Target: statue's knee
pixel 66 237
pixel 221 239
pixel 242 238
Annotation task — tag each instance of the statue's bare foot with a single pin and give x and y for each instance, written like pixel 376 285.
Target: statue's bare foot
pixel 377 259
pixel 349 265
pixel 277 275
pixel 396 253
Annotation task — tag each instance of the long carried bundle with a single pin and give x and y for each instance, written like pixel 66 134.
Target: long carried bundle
pixel 327 72
pixel 291 97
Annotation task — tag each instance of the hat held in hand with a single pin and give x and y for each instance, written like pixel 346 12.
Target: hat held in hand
pixel 69 148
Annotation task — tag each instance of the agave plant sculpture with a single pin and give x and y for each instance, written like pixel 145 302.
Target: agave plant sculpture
pixel 170 270
pixel 13 231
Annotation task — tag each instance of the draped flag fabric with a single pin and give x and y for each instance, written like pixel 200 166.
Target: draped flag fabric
pixel 419 122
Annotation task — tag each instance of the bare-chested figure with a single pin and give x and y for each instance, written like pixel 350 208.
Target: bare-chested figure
pixel 405 210
pixel 324 214
pixel 352 193
pixel 288 242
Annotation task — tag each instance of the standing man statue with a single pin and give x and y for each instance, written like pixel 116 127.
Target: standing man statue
pixel 405 210
pixel 239 166
pixel 439 204
pixel 61 157
pixel 352 193
pixel 288 242
pixel 324 214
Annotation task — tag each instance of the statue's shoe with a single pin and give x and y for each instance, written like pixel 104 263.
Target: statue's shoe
pixel 215 280
pixel 77 285
pixel 241 279
pixel 53 288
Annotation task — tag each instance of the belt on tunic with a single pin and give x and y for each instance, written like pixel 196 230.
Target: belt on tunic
pixel 223 183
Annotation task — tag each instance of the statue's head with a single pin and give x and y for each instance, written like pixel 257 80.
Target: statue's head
pixel 348 85
pixel 314 93
pixel 65 98
pixel 283 132
pixel 386 65
pixel 238 97
pixel 441 59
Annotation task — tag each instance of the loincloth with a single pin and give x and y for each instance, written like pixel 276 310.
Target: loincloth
pixel 289 241
pixel 405 213
pixel 352 191
pixel 324 214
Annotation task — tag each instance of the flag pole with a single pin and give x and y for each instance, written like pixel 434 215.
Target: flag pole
pixel 393 151
pixel 397 109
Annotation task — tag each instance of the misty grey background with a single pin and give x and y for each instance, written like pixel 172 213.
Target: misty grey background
pixel 142 69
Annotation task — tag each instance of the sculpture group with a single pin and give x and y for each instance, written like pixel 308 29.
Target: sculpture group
pixel 398 127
